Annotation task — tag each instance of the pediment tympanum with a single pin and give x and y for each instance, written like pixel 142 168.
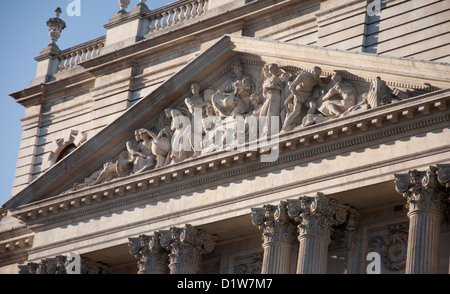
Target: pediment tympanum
pixel 242 99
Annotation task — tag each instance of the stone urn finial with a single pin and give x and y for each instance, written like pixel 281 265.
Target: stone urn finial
pixel 124 5
pixel 56 25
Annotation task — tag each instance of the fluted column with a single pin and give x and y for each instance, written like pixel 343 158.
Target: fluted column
pixel 426 194
pixel 187 247
pixel 153 258
pixel 278 236
pixel 316 215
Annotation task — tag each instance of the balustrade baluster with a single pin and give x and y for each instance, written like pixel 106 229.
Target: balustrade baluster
pixel 188 11
pixel 199 7
pixel 194 9
pixel 152 24
pixel 182 13
pixel 67 61
pixel 175 15
pixel 61 63
pixel 91 53
pixel 164 17
pixel 77 58
pixel 158 22
pixel 72 59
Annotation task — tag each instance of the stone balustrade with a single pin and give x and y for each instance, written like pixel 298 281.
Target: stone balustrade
pixel 179 12
pixel 72 57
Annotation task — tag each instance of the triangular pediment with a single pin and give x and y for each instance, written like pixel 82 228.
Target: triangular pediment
pixel 212 70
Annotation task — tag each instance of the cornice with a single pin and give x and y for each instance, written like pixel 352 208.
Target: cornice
pixel 385 123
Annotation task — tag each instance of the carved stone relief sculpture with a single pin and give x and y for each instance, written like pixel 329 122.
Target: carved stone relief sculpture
pixel 199 125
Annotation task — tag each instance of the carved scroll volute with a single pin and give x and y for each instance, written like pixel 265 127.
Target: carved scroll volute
pixel 134 245
pixel 207 240
pixel 258 217
pixel 401 183
pixel 188 235
pixel 429 179
pixel 443 174
pixel 294 209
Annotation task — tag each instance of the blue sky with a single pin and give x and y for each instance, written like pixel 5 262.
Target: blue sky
pixel 24 35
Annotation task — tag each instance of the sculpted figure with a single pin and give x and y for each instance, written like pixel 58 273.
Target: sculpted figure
pixel 301 94
pixel 196 100
pixel 181 148
pixel 370 99
pixel 256 105
pixel 242 91
pixel 285 93
pixel 234 98
pixel 272 87
pixel 213 132
pixel 161 147
pixel 111 170
pixel 339 98
pixel 238 75
pixel 141 150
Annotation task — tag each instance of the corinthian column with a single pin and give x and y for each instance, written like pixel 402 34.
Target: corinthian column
pixel 278 236
pixel 316 215
pixel 426 194
pixel 187 247
pixel 153 258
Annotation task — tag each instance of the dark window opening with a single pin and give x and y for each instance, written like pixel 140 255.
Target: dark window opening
pixel 66 151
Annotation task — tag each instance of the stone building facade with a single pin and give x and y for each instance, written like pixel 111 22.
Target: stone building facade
pixel 233 136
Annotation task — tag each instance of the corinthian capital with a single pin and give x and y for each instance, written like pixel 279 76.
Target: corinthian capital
pixel 275 223
pixel 153 258
pixel 316 215
pixel 187 245
pixel 425 190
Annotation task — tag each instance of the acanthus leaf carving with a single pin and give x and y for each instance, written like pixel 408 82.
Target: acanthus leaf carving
pixel 275 223
pixel 424 190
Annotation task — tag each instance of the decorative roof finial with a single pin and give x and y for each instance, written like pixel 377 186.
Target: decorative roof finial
pixel 124 5
pixel 56 25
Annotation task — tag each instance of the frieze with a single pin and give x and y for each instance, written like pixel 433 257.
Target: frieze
pixel 237 109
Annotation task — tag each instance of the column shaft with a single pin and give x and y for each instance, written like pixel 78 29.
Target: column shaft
pixel 277 258
pixel 423 243
pixel 183 269
pixel 312 254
